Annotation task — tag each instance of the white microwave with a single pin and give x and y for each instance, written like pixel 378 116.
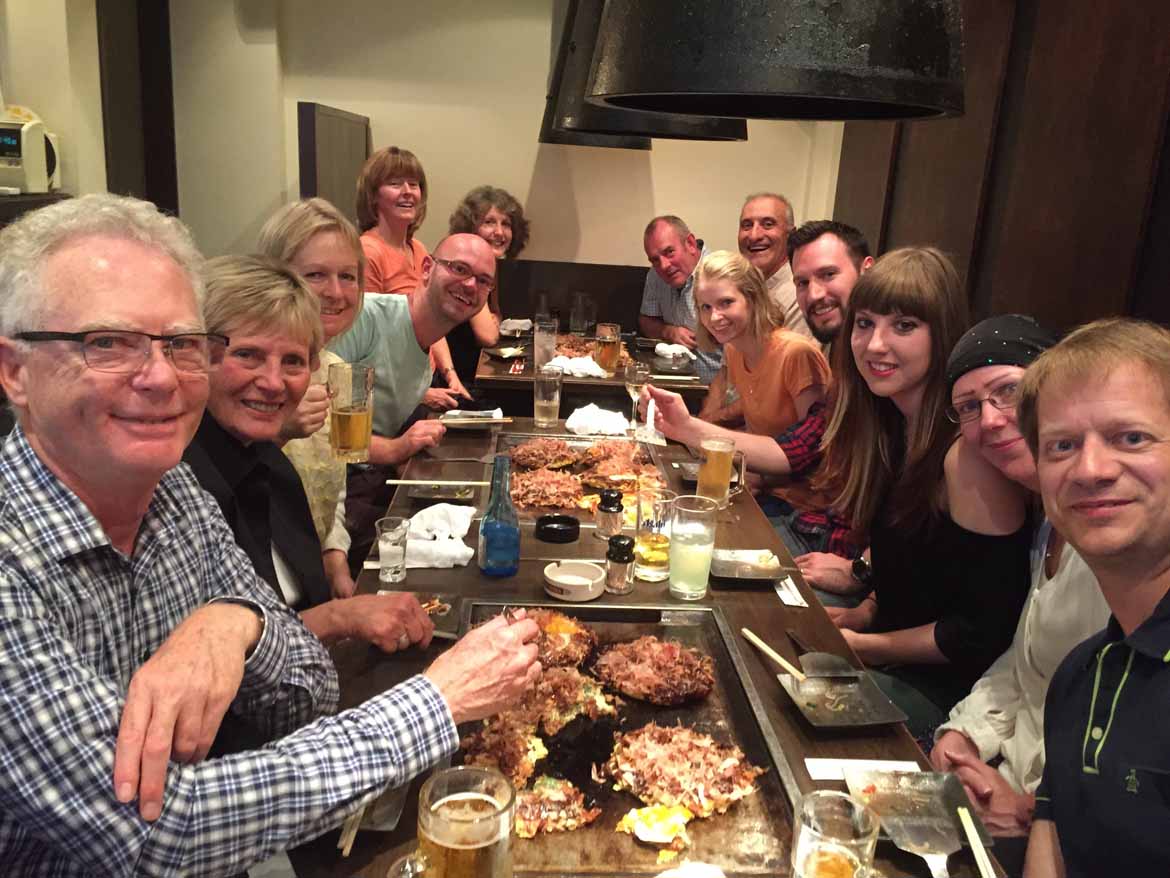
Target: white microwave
pixel 28 153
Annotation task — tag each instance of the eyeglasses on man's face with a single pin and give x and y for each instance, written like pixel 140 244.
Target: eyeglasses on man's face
pixel 119 350
pixel 1003 398
pixel 463 271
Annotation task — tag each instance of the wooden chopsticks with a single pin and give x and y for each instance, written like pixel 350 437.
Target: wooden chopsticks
pixel 437 482
pixel 474 420
pixel 788 667
pixel 982 860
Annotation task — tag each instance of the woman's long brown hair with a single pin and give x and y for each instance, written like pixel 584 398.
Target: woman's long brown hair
pixel 869 458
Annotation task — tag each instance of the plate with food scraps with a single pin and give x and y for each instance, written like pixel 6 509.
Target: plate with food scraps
pixel 747 564
pixel 919 810
pixel 841 701
pixel 688 471
pixel 507 352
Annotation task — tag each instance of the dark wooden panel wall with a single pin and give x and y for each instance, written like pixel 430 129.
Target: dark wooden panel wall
pixel 616 290
pixel 1045 190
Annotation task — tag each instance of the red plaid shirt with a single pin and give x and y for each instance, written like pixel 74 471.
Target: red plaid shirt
pixel 801 444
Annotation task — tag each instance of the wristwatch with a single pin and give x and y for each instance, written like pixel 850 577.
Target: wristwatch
pixel 862 571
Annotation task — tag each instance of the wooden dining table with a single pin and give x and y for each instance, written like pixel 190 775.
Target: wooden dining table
pixel 510 381
pixel 364 671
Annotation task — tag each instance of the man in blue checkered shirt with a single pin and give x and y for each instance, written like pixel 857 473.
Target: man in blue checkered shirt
pixel 129 619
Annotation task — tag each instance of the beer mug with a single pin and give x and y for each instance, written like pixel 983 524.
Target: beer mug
pixel 719 458
pixel 351 411
pixel 465 818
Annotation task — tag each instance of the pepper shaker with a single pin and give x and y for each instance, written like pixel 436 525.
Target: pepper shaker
pixel 619 565
pixel 608 516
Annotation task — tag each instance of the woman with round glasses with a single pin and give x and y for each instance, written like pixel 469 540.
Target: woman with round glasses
pixel 947 533
pixel 1003 716
pixel 273 321
pixel 391 206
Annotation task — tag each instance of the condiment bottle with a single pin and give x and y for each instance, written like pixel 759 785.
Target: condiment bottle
pixel 619 565
pixel 608 516
pixel 499 531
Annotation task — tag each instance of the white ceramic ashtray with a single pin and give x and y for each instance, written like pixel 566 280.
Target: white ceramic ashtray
pixel 574 580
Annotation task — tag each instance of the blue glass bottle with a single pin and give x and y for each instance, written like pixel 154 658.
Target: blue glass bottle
pixel 499 531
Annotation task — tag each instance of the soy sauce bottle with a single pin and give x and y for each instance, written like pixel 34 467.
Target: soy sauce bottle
pixel 499 531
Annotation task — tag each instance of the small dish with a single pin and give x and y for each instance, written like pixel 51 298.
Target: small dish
pixel 507 352
pixel 574 580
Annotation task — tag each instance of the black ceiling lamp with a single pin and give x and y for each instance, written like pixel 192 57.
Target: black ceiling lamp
pixel 781 59
pixel 569 119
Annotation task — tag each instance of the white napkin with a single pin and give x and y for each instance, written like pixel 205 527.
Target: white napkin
pixel 820 768
pixel 515 324
pixel 441 521
pixel 436 536
pixel 579 367
pixel 591 419
pixel 460 413
pixel 667 351
pixel 437 554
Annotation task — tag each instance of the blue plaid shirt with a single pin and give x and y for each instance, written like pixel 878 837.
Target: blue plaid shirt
pixel 78 617
pixel 677 308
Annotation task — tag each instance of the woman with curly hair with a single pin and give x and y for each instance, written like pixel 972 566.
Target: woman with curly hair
pixel 498 217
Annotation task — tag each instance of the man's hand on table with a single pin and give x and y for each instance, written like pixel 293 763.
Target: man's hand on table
pixel 1004 811
pixel 424 434
pixel 489 668
pixel 441 399
pixel 309 416
pixel 391 622
pixel 679 335
pixel 177 699
pixel 828 572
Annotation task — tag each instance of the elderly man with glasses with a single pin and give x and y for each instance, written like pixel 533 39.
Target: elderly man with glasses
pixel 130 621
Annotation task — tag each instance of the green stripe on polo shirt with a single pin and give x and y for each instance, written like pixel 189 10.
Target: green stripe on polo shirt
pixel 1092 706
pixel 1113 708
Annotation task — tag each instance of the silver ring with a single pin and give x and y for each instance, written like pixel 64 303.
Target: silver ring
pixel 404 641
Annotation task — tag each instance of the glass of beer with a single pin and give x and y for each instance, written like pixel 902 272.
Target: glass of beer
pixel 608 346
pixel 719 458
pixel 834 837
pixel 652 535
pixel 351 411
pixel 546 396
pixel 465 818
pixel 692 543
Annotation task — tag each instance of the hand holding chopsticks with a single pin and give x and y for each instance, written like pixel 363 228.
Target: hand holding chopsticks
pixel 788 667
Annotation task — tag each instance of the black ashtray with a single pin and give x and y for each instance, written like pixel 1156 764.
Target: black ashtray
pixel 557 528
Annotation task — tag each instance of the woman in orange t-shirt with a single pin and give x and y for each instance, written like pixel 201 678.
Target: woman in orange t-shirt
pixel 777 373
pixel 391 205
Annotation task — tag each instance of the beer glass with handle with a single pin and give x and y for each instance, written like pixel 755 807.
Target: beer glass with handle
pixel 351 411
pixel 465 818
pixel 719 458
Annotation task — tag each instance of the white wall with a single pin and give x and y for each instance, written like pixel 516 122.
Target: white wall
pixel 49 63
pixel 229 137
pixel 462 84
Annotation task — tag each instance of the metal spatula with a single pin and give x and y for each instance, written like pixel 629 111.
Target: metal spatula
pixel 931 837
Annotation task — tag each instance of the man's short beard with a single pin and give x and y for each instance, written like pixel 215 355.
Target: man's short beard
pixel 825 336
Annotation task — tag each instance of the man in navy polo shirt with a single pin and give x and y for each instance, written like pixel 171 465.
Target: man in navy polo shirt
pixel 1095 410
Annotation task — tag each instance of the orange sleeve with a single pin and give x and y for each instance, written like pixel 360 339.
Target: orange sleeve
pixel 802 365
pixel 375 270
